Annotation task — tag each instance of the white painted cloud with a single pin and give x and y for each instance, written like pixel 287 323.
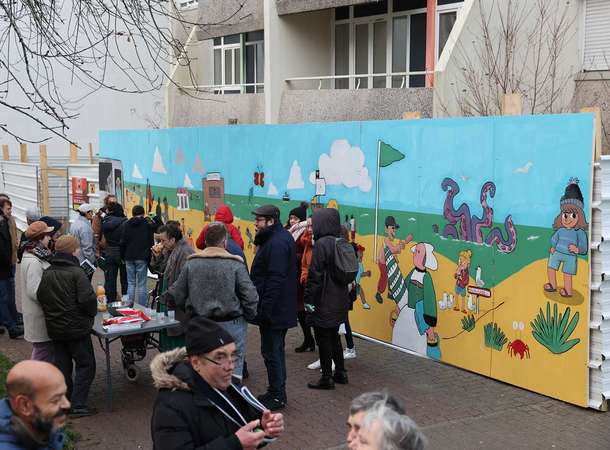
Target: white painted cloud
pixel 272 190
pixel 295 180
pixel 524 169
pixel 344 166
pixel 187 181
pixel 135 173
pixel 158 166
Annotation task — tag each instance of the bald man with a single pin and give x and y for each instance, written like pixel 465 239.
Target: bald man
pixel 34 413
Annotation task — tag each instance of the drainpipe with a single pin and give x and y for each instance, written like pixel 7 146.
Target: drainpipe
pixel 430 41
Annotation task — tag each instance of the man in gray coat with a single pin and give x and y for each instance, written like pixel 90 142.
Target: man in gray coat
pixel 215 284
pixel 81 229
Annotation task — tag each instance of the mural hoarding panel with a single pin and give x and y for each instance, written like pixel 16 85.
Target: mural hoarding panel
pixel 475 231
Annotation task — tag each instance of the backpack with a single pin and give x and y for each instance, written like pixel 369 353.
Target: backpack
pixel 346 262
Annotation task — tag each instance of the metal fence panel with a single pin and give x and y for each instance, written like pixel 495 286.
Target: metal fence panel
pixel 91 173
pixel 20 182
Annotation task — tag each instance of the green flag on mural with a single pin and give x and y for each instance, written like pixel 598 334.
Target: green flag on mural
pixel 388 154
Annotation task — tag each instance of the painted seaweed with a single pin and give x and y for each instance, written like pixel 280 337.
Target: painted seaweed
pixel 553 331
pixel 494 336
pixel 468 322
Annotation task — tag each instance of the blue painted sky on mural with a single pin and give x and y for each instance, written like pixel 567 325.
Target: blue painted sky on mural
pixel 530 158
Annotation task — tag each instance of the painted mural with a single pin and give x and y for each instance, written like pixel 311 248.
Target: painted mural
pixel 473 234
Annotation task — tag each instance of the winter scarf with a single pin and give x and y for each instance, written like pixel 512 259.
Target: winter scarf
pixel 298 229
pixel 36 249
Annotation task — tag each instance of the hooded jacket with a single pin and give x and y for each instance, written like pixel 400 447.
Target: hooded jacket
pixel 113 229
pixel 330 299
pixel 224 215
pixel 10 441
pixel 67 299
pixel 187 412
pixel 216 285
pixel 137 239
pixel 274 273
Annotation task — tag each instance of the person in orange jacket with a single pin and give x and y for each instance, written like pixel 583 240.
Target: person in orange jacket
pixel 224 215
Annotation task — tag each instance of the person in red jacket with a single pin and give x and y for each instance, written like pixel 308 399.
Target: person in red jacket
pixel 224 215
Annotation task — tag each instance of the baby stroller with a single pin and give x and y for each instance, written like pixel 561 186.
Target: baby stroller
pixel 135 346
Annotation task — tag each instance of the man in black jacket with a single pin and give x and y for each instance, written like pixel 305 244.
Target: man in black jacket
pixel 198 406
pixel 138 238
pixel 70 305
pixel 274 275
pixel 328 298
pixel 112 228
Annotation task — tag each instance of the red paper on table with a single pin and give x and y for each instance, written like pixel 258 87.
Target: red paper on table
pixel 122 320
pixel 132 312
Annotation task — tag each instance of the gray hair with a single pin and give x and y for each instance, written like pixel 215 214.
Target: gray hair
pixel 32 214
pixel 368 400
pixel 394 431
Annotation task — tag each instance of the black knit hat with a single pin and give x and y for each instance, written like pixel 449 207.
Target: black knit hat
pixel 300 211
pixel 204 335
pixel 573 195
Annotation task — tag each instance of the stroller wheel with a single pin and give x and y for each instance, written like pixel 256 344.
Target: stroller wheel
pixel 132 373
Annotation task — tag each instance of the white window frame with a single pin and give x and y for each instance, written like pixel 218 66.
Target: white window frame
pixel 230 88
pixel 443 9
pixel 389 20
pixel 261 44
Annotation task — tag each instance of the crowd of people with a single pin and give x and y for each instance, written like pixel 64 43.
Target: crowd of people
pixel 304 272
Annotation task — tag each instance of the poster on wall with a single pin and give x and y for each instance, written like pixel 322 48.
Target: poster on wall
pixel 111 178
pixel 80 192
pixel 473 234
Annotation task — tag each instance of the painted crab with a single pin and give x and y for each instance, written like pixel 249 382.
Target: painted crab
pixel 518 347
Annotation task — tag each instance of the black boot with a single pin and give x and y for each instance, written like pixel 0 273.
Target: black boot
pixel 305 347
pixel 309 343
pixel 340 377
pixel 325 383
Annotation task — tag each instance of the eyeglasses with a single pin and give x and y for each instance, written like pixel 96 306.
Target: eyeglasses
pixel 223 361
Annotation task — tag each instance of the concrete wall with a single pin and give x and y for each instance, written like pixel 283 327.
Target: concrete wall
pixel 297 6
pixel 465 43
pixel 186 111
pixel 593 89
pixel 220 18
pixel 296 45
pixel 344 104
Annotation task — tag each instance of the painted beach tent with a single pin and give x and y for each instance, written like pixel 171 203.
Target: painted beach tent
pixel 481 237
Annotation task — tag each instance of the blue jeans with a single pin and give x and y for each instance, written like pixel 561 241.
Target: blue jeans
pixel 8 310
pixel 272 349
pixel 137 272
pixel 238 328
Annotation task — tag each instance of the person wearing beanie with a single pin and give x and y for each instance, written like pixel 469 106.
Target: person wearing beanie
pixel 300 229
pixel 198 401
pixel 70 305
pixel 34 257
pixel 113 224
pixel 274 273
pixel 81 229
pixel 137 239
pixel 569 240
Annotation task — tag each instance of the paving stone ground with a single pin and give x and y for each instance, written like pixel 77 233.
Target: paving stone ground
pixel 455 408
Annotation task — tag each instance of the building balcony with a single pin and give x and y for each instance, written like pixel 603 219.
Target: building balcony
pixel 353 97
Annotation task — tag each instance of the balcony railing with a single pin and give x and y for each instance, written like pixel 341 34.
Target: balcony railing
pixel 241 88
pixel 354 80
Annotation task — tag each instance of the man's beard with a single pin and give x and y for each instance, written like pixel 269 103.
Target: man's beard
pixel 45 425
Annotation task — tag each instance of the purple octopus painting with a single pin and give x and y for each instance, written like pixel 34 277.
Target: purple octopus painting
pixel 466 227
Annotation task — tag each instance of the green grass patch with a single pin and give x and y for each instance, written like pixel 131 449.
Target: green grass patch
pixel 468 322
pixel 5 365
pixel 553 330
pixel 494 336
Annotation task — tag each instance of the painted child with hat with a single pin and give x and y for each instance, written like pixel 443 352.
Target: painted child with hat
pixel 569 240
pixel 394 249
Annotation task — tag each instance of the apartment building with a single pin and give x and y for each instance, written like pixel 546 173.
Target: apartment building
pixel 283 61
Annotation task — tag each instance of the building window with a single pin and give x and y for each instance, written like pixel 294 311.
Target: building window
pixel 596 55
pixel 386 41
pixel 239 63
pixel 186 4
